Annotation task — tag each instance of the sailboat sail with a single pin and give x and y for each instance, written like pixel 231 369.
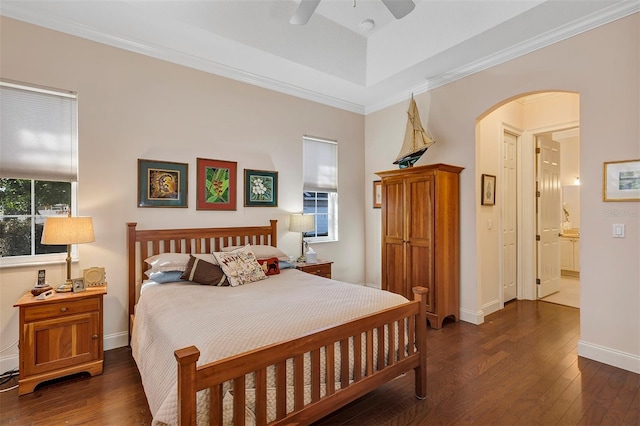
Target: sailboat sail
pixel 416 141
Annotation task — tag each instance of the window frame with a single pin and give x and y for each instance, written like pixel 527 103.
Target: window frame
pixel 332 220
pixel 47 258
pixel 331 189
pixel 46 175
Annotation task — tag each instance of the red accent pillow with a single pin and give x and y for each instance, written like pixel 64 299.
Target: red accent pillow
pixel 270 266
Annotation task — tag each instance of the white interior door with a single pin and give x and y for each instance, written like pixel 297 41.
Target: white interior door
pixel 548 215
pixel 509 217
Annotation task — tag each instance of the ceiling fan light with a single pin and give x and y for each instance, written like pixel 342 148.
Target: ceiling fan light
pixel 367 24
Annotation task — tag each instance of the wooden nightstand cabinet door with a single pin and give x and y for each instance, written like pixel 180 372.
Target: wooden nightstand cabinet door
pixel 62 342
pixel 323 270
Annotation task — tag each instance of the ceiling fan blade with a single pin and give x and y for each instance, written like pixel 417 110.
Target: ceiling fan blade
pixel 304 11
pixel 399 8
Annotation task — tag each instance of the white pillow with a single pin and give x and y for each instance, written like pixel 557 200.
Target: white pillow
pixel 240 267
pixel 260 251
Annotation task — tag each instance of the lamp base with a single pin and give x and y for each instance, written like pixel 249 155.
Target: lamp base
pixel 64 287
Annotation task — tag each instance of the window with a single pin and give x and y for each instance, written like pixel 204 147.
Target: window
pixel 38 169
pixel 320 190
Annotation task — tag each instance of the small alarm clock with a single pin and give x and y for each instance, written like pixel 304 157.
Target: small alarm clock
pixel 94 276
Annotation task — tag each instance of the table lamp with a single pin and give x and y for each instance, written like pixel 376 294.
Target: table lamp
pixel 301 223
pixel 67 230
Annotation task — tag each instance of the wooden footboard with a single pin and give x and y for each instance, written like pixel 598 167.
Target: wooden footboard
pixel 371 368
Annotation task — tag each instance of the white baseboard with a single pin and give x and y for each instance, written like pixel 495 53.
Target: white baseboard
pixel 9 363
pixel 491 307
pixel 476 317
pixel 116 340
pixel 609 356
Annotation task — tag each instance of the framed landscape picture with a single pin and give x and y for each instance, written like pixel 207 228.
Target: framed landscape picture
pixel 216 184
pixel 260 188
pixel 621 181
pixel 162 183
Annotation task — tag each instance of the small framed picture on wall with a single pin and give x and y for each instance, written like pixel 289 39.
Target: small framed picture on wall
pixel 488 195
pixel 377 194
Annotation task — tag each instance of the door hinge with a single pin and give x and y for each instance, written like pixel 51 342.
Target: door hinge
pixel 537 237
pixel 538 194
pixel 538 281
pixel 538 151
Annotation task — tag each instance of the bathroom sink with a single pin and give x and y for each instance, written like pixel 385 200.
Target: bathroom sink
pixel 573 232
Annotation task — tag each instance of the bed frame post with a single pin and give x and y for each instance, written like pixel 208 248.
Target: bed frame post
pixel 274 232
pixel 420 294
pixel 131 255
pixel 187 358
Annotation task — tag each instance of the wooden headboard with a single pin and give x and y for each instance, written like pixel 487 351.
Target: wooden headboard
pixel 142 244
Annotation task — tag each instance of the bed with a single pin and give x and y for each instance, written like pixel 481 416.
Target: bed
pixel 289 354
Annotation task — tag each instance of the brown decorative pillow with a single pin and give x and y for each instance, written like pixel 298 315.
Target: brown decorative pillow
pixel 203 272
pixel 270 266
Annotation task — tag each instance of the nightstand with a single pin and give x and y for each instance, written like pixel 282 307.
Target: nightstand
pixel 321 268
pixel 60 336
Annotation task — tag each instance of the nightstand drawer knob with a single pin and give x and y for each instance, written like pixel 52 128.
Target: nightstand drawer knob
pixel 95 336
pixel 63 309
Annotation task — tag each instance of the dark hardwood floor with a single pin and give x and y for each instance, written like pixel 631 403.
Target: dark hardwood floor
pixel 518 368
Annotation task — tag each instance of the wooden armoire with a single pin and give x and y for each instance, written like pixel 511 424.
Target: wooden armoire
pixel 421 236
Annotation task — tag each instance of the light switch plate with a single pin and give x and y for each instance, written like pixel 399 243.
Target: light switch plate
pixel 618 230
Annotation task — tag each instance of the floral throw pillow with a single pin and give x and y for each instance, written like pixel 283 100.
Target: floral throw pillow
pixel 240 267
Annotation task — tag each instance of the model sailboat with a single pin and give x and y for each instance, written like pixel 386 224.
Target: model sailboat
pixel 416 142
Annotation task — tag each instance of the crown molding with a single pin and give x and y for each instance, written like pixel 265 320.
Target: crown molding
pixel 602 17
pixel 616 11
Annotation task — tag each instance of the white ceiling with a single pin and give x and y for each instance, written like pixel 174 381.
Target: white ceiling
pixel 328 60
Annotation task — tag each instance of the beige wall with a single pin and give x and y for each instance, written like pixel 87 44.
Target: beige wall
pixel 132 106
pixel 602 66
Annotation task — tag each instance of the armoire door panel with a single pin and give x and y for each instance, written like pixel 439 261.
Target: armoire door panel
pixel 393 279
pixel 420 272
pixel 419 208
pixel 394 210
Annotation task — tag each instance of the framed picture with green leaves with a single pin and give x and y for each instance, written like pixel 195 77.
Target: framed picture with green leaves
pixel 216 184
pixel 260 188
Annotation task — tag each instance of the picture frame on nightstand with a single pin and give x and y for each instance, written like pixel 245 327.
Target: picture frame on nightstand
pixel 77 285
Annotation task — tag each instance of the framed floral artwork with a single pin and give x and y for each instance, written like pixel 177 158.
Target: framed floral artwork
pixel 260 188
pixel 162 183
pixel 216 184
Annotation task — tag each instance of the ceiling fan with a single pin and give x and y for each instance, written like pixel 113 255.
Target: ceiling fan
pixel 398 8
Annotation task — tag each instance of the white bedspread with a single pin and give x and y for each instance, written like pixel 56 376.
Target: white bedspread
pixel 224 321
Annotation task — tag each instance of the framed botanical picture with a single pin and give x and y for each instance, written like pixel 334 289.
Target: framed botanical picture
pixel 260 188
pixel 217 182
pixel 621 181
pixel 377 194
pixel 488 195
pixel 162 183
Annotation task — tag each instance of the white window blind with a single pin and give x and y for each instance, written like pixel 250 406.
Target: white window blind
pixel 320 165
pixel 38 133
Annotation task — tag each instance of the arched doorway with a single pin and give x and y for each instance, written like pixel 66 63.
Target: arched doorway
pixel 507 138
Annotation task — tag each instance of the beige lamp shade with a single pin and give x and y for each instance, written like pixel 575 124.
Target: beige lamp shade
pixel 67 230
pixel 301 223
